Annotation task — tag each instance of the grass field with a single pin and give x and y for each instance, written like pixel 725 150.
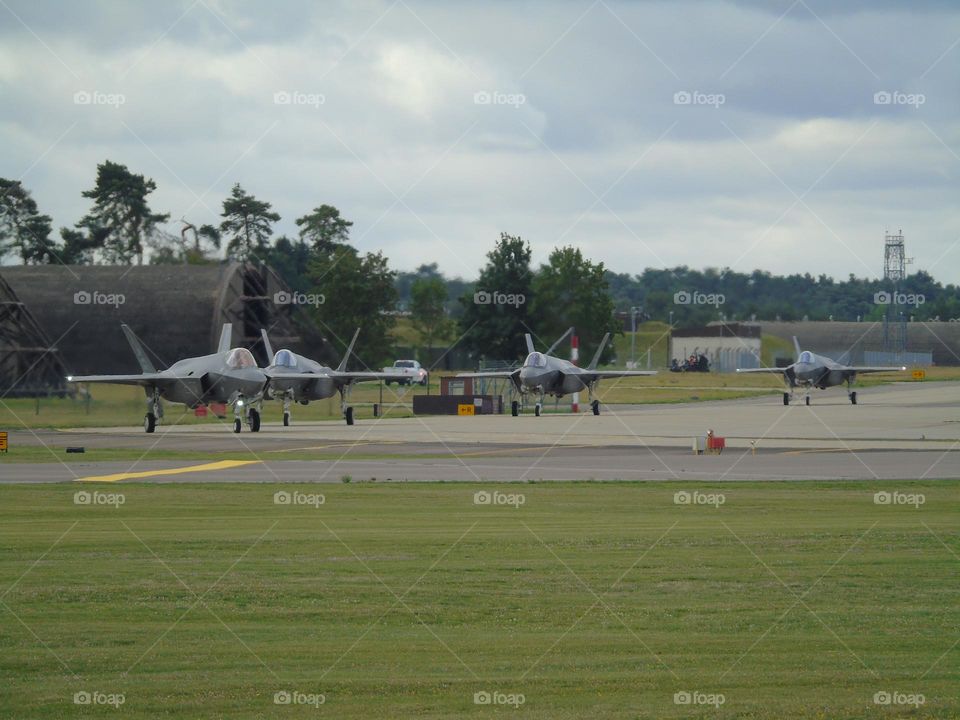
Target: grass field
pixel 601 600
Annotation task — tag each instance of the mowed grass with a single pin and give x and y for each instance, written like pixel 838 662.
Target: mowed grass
pixel 589 599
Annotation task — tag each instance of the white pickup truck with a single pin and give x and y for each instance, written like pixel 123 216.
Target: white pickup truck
pixel 410 369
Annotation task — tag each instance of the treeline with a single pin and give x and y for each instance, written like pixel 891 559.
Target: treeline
pixel 343 288
pixel 340 287
pixel 761 295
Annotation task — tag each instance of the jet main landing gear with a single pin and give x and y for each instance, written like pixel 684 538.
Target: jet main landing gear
pixel 347 410
pixel 154 413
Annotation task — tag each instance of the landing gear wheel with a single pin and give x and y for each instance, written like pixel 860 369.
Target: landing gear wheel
pixel 786 398
pixel 537 409
pixel 348 415
pixel 254 419
pixel 853 398
pixel 237 424
pixel 515 408
pixel 149 422
pixel 286 419
pixel 595 405
pixel 807 399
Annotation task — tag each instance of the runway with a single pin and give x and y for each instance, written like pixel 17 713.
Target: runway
pixel 901 431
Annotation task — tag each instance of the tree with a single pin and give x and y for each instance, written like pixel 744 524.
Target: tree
pixel 195 253
pixel 429 316
pixel 291 259
pixel 79 247
pixel 22 228
pixel 357 291
pixel 324 229
pixel 121 220
pixel 571 290
pixel 491 328
pixel 247 224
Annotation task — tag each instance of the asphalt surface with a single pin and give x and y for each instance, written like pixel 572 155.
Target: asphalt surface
pixel 903 431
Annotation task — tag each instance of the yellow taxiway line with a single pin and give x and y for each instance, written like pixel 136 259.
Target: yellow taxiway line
pixel 222 465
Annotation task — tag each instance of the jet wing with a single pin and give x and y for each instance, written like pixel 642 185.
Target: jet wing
pixel 193 384
pixel 600 374
pixel 491 374
pixel 511 375
pixel 341 377
pixel 142 379
pixel 779 371
pixel 873 368
pixel 352 377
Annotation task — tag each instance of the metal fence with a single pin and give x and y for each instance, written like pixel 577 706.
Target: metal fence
pixel 910 359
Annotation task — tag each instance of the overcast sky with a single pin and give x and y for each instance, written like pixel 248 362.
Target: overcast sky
pixel 650 134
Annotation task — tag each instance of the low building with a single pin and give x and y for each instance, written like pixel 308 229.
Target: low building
pixel 727 346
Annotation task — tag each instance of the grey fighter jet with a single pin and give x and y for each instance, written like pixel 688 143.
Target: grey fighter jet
pixel 544 374
pixel 295 378
pixel 816 371
pixel 229 376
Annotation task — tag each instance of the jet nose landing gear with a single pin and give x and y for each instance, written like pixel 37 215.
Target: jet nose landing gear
pixel 238 406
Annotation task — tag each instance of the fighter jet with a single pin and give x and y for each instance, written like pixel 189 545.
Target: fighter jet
pixel 228 376
pixel 295 378
pixel 544 374
pixel 811 370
